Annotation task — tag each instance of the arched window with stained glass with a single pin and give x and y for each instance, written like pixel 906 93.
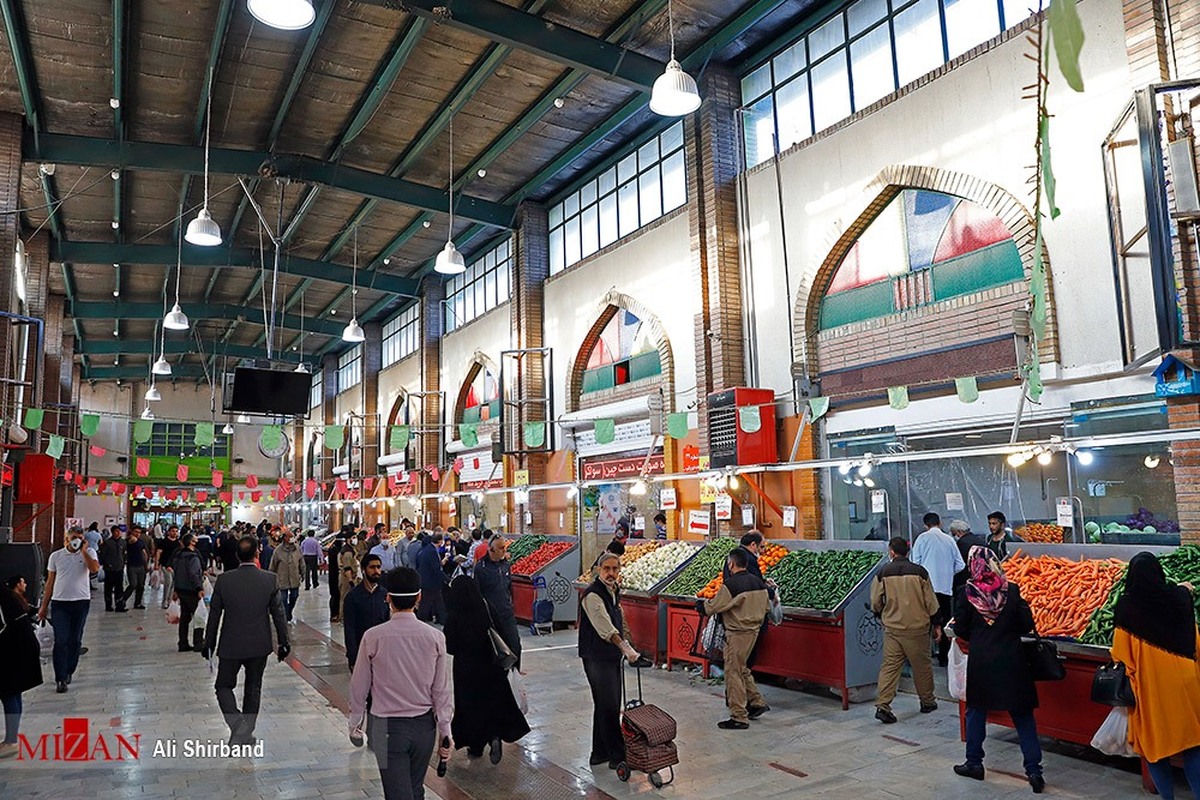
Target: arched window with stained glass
pixel 483 397
pixel 624 352
pixel 924 247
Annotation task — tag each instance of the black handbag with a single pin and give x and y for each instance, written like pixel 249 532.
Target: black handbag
pixel 1111 686
pixel 1044 661
pixel 502 655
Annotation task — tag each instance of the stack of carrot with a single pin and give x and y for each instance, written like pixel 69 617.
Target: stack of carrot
pixel 1062 593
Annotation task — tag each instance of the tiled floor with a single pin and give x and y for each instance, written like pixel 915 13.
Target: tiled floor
pixel 133 681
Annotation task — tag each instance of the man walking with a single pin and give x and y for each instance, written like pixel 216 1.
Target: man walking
pixel 407 716
pixel 939 555
pixel 112 560
pixel 742 603
pixel 366 606
pixel 310 548
pixel 67 597
pixel 248 599
pixel 136 558
pixel 332 556
pixel 189 587
pixel 903 597
pixel 433 582
pixel 166 555
pixel 495 584
pixel 286 564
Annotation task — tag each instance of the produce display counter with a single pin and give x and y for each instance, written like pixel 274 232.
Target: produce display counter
pixel 682 619
pixel 559 573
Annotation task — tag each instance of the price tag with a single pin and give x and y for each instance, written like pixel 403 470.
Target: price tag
pixel 666 499
pixel 639 523
pixel 789 516
pixel 528 517
pixel 562 520
pixel 724 506
pixel 708 493
pixel 520 477
pixel 703 463
pixel 1065 509
pixel 471 522
pixel 879 501
pixel 453 508
pixel 503 521
pixel 748 516
pixel 699 522
pixel 954 501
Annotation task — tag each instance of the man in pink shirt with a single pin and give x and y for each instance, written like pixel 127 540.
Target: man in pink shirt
pixel 403 667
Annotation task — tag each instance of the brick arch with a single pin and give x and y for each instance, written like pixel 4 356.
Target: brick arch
pixel 479 361
pixel 606 309
pixel 886 186
pixel 393 418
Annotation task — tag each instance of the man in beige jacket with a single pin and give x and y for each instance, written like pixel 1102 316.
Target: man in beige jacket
pixel 742 603
pixel 288 565
pixel 903 597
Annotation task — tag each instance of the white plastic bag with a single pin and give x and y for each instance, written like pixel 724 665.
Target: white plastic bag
pixel 200 618
pixel 45 637
pixel 956 672
pixel 518 689
pixel 173 613
pixel 1113 736
pixel 155 579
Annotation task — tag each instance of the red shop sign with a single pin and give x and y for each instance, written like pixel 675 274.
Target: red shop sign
pixel 622 468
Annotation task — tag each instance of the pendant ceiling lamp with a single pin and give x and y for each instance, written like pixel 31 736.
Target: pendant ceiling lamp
pixel 353 331
pixel 228 429
pixel 286 15
pixel 175 319
pixel 152 394
pixel 302 367
pixel 147 413
pixel 161 366
pixel 204 231
pixel 450 261
pixel 674 93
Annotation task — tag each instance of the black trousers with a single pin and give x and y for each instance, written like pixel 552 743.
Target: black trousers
pixel 433 604
pixel 335 592
pixel 188 600
pixel 241 723
pixel 312 575
pixel 114 589
pixel 403 747
pixel 945 612
pixel 604 679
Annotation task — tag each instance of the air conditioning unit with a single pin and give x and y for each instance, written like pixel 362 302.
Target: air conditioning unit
pixel 728 444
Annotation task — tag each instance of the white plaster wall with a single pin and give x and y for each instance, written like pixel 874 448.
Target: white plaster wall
pixel 404 375
pixel 970 120
pixel 490 334
pixel 654 267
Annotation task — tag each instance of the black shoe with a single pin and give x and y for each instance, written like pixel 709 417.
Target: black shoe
pixel 108 608
pixel 496 750
pixel 754 712
pixel 122 610
pixel 60 687
pixel 974 772
pixel 185 648
pixel 592 762
pixel 885 716
pixel 732 725
pixel 82 652
pixel 473 753
pixel 141 607
pixel 928 709
pixel 68 680
pixel 1037 783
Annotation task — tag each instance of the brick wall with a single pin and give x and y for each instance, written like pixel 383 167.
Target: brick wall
pixel 372 363
pixel 429 447
pixel 531 267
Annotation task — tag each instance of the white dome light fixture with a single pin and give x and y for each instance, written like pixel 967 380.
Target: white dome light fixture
pixel 147 413
pixel 228 429
pixel 204 231
pixel 450 261
pixel 353 332
pixel 175 319
pixel 286 15
pixel 162 366
pixel 674 93
pixel 152 394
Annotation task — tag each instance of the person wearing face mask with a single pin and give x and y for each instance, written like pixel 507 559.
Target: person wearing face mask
pixel 66 599
pixel 287 564
pixel 348 561
pixel 386 553
pixel 366 606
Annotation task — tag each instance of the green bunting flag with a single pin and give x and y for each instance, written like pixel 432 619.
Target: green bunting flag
pixel 750 419
pixel 205 434
pixel 606 431
pixel 468 432
pixel 142 429
pixel 967 388
pixel 54 448
pixel 677 425
pixel 535 434
pixel 335 436
pixel 89 424
pixel 817 407
pixel 898 397
pixel 1047 170
pixel 33 418
pixel 270 438
pixel 398 438
pixel 1066 33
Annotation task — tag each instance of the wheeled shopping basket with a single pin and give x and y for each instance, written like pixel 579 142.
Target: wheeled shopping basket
pixel 649 734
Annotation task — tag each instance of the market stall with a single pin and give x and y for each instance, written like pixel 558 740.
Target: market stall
pixel 552 559
pixel 646 568
pixel 679 599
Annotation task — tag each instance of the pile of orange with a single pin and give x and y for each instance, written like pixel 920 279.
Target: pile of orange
pixel 771 555
pixel 1041 532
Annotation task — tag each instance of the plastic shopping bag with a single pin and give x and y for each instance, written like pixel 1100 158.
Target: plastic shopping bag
pixel 956 672
pixel 200 618
pixel 775 611
pixel 518 689
pixel 173 613
pixel 1113 736
pixel 45 637
pixel 155 579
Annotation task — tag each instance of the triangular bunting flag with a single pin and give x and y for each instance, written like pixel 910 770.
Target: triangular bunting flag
pixel 102 487
pixel 68 476
pixel 535 434
pixel 218 478
pixel 967 389
pixel 335 436
pixel 33 418
pixel 205 434
pixel 398 439
pixel 285 487
pixel 435 474
pixel 255 497
pixel 310 488
pixel 225 497
pixel 368 485
pixel 340 488
pixel 181 473
pixel 141 467
pixel 118 489
pixel 201 496
pixel 750 419
pixel 457 466
pixel 251 481
pixel 97 451
pixel 91 482
pixel 817 408
pixel 241 495
pixel 173 495
pixel 54 448
pixel 898 397
pixel 677 425
pixel 184 494
pixel 89 424
pixel 606 431
pixel 468 432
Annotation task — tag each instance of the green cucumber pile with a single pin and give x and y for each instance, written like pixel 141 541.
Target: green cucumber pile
pixel 703 568
pixel 525 545
pixel 1180 565
pixel 809 579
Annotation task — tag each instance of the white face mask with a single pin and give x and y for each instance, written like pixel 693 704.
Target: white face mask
pixel 74 544
pixel 354 541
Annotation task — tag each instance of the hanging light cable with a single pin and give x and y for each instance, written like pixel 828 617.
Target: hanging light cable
pixel 176 320
pixel 152 393
pixel 450 261
pixel 162 366
pixel 353 331
pixel 674 93
pixel 204 231
pixel 302 367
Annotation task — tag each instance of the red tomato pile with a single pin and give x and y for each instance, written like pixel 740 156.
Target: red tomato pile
pixel 540 557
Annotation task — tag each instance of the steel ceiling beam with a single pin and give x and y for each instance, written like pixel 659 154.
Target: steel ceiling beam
pixel 225 255
pixel 114 347
pixel 133 373
pixel 154 156
pixel 86 309
pixel 522 30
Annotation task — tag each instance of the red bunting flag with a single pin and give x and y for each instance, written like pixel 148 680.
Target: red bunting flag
pixel 458 466
pixel 368 485
pixel 201 496
pixel 340 489
pixel 225 497
pixel 91 482
pixel 251 481
pixel 97 451
pixel 79 481
pixel 142 467
pixel 184 493
pixel 218 478
pixel 285 488
pixel 241 495
pixel 181 473
pixel 435 474
pixel 103 487
pixel 68 476
pixel 393 483
pixel 118 489
pixel 310 488
pixel 255 496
